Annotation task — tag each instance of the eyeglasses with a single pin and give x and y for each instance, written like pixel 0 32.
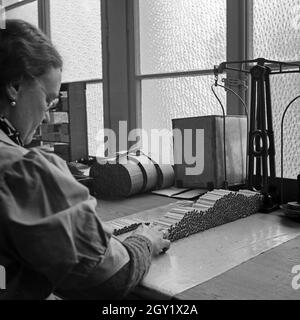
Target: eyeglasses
pixel 51 104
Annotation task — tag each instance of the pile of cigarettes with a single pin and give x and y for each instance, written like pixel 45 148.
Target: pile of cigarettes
pixel 213 209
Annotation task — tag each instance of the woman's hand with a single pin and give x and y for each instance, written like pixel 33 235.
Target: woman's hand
pixel 157 237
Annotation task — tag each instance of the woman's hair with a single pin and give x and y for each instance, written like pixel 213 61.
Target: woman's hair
pixel 25 52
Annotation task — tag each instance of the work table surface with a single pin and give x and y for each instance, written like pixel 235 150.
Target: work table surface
pixel 267 274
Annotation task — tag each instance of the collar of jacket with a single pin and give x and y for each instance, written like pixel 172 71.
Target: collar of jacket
pixel 5 139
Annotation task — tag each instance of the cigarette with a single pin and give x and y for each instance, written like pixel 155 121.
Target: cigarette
pixel 180 211
pixel 165 224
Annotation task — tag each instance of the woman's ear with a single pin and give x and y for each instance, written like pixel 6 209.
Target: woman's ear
pixel 12 90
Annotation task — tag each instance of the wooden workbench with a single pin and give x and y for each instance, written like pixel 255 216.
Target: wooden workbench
pixel 265 276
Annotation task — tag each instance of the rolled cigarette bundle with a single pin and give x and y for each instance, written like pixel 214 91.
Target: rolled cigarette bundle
pixel 223 191
pixel 211 210
pixel 186 203
pixel 162 223
pixel 148 170
pixel 123 225
pixel 180 210
pixel 166 175
pixel 117 180
pixel 215 208
pixel 248 192
pixel 202 206
pixel 129 174
pixel 174 216
pixel 205 202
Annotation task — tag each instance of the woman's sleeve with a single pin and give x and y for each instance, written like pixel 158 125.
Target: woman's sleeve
pixel 50 222
pixel 122 282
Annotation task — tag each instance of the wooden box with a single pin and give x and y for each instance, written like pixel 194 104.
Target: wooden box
pixel 202 138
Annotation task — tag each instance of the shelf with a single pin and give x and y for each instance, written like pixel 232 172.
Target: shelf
pixel 67 129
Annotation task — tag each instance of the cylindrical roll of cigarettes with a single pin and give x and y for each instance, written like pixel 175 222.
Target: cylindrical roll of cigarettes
pixel 148 169
pixel 166 176
pixel 117 180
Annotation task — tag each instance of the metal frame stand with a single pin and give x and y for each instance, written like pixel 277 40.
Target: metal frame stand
pixel 261 147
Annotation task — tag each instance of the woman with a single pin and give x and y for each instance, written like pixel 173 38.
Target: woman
pixel 50 237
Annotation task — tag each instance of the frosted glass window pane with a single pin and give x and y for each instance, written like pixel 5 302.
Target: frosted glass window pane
pixel 283 89
pixel 182 34
pixel 7 3
pixel 276 25
pixel 166 99
pixel 94 96
pixel 76 32
pixel 27 12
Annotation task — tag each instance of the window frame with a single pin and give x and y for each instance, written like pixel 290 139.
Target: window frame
pixel 237 49
pixel 44 24
pixel 121 79
pixel 43 13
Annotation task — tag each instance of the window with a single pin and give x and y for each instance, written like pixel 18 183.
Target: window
pixel 181 35
pixel 177 43
pixel 25 10
pixel 76 32
pixel 7 3
pixel 176 38
pixel 275 36
pixel 173 40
